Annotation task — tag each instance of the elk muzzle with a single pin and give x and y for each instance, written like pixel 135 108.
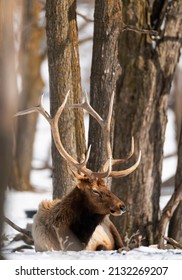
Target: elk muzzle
pixel 118 209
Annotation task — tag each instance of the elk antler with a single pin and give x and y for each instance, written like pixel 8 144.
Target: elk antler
pixel 105 125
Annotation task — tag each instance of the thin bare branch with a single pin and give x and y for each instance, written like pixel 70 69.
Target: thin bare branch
pixel 87 19
pixel 84 40
pixel 126 27
pixel 19 229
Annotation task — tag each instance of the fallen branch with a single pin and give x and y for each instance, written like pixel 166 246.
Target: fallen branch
pixel 21 248
pixel 19 229
pixel 173 242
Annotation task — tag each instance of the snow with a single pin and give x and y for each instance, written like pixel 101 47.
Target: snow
pixel 136 254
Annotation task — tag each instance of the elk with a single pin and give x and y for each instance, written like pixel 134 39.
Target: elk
pixel 80 221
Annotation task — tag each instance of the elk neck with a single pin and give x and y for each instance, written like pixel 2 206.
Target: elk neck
pixel 82 219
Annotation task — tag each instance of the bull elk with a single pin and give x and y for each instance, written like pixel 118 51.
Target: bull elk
pixel 81 219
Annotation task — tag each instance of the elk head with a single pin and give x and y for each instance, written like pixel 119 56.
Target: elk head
pixel 99 197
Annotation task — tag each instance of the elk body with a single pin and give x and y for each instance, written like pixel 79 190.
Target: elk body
pixel 81 219
pixel 70 223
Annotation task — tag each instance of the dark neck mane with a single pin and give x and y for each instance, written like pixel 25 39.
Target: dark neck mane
pixel 82 219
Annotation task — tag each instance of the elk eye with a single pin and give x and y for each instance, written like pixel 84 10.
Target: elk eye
pixel 96 192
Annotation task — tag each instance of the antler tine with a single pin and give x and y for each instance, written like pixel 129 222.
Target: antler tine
pixel 86 106
pixel 86 158
pixel 106 132
pixel 117 161
pixel 36 109
pixel 123 173
pixel 129 155
pixel 106 173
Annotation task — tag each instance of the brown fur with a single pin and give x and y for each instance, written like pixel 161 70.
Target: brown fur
pixel 79 220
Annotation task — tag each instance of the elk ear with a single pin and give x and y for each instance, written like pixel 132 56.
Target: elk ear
pixel 101 181
pixel 74 174
pixel 78 178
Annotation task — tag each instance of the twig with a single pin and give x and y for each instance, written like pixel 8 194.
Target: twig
pixel 169 182
pixel 173 242
pixel 132 242
pixel 85 17
pixel 170 155
pixel 84 40
pixel 126 27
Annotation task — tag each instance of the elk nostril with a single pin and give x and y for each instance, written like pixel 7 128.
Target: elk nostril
pixel 123 208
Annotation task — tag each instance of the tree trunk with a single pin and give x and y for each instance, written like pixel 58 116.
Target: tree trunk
pixel 175 225
pixel 105 72
pixel 31 58
pixel 142 112
pixel 7 98
pixel 64 72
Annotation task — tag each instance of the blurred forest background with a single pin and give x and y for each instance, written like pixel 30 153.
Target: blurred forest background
pixel 129 47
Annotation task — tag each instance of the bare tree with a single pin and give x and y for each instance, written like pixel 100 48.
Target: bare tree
pixel 7 97
pixel 64 71
pixel 30 58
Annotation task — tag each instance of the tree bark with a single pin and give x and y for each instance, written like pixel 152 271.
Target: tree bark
pixel 30 60
pixel 105 72
pixel 64 72
pixel 7 98
pixel 177 101
pixel 142 111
